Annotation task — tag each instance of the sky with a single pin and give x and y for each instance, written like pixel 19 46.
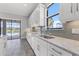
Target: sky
pixel 15 25
pixel 54 9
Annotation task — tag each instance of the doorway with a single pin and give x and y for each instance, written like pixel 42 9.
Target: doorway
pixel 13 29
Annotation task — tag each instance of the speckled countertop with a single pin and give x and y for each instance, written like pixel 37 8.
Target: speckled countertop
pixel 69 44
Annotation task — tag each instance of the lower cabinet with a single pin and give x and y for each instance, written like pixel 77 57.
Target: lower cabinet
pixel 29 38
pixel 39 46
pixel 43 48
pixel 56 51
pixel 35 45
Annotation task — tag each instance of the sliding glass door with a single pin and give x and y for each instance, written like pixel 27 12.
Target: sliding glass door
pixel 13 29
pixel 9 29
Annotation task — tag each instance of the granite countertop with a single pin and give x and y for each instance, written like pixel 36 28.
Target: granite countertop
pixel 71 45
pixel 68 44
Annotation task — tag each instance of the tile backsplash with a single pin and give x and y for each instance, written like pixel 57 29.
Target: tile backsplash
pixel 67 32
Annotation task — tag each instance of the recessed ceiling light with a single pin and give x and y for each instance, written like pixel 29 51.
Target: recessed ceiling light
pixel 25 4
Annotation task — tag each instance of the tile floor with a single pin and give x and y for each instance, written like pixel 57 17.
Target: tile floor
pixel 18 47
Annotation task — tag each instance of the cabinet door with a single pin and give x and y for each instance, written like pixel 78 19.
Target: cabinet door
pixel 35 17
pixel 42 15
pixel 40 47
pixel 66 12
pixel 43 48
pixel 29 38
pixel 32 42
pixel 36 46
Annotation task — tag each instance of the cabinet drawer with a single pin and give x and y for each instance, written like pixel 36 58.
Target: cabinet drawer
pixel 52 53
pixel 54 50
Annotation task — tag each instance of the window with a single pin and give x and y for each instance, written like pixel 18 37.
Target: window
pixel 0 26
pixel 13 29
pixel 53 16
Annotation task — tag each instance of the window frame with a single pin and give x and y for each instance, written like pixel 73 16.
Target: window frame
pixel 51 16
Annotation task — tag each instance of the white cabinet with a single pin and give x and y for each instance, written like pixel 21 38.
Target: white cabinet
pixel 29 38
pixel 39 46
pixel 36 46
pixel 68 12
pixel 42 14
pixel 37 18
pixel 33 41
pixel 56 51
pixel 43 48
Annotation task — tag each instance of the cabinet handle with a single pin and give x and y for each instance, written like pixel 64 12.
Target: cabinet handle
pixel 56 51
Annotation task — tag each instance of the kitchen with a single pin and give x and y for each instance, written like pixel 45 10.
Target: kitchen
pixel 51 29
pixel 47 39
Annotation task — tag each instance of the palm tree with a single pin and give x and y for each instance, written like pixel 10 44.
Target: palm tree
pixel 50 22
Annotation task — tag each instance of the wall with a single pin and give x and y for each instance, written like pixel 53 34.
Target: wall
pixel 24 26
pixel 73 24
pixel 24 21
pixel 11 16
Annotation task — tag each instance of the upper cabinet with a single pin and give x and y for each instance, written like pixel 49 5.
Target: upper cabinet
pixel 37 18
pixel 69 12
pixel 42 14
pixel 57 14
pixel 65 12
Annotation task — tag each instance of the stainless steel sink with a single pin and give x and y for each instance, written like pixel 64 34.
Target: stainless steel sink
pixel 47 37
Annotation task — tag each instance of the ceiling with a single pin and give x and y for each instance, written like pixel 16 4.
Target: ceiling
pixel 22 9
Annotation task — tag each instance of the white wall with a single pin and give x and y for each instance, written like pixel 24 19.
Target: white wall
pixel 24 26
pixel 11 16
pixel 23 20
